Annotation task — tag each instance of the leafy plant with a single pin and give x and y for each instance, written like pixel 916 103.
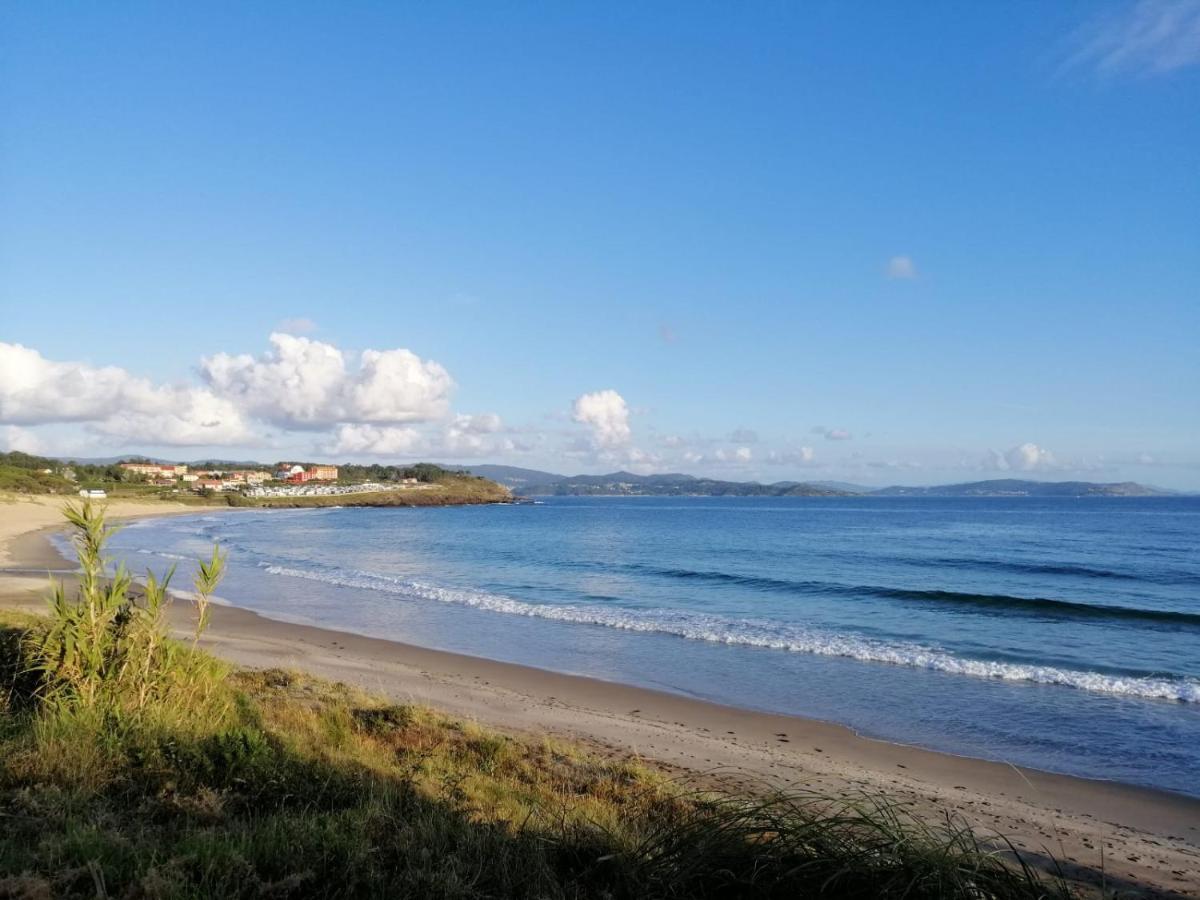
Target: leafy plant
pixel 107 646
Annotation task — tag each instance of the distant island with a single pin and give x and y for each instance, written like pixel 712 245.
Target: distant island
pixel 534 483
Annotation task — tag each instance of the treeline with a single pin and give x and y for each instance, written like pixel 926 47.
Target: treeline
pixel 426 473
pixel 24 473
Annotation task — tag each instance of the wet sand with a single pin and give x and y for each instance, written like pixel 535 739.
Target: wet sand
pixel 1148 839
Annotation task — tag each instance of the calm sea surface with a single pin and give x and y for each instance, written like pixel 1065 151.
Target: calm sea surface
pixel 1060 634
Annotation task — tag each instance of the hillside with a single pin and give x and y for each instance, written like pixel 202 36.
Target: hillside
pixel 420 484
pixel 513 477
pixel 531 482
pixel 1013 487
pixel 449 489
pixel 672 485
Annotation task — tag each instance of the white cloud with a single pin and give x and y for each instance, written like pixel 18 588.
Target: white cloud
pixel 179 417
pixel 735 455
pixel 302 383
pixel 299 384
pixel 1027 457
pixel 471 436
pixel 112 401
pixel 13 437
pixel 34 389
pixel 798 457
pixel 606 414
pixel 901 268
pixel 363 440
pixel 837 434
pixel 298 326
pixel 461 437
pixel 743 436
pixel 1149 37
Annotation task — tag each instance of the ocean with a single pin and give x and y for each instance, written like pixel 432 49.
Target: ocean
pixel 1061 634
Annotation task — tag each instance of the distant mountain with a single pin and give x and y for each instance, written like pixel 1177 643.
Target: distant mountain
pixel 513 477
pixel 628 484
pixel 848 487
pixel 1013 487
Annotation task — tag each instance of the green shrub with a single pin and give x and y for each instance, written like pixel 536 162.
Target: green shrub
pixel 107 647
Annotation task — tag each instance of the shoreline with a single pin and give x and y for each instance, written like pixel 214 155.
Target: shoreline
pixel 1148 837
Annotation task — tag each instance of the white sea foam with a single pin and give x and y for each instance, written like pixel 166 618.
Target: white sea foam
pixel 163 554
pixel 770 635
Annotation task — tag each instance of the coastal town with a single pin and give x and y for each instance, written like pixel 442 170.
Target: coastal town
pixel 287 480
pixel 199 480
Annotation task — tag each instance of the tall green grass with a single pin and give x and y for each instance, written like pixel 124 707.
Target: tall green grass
pixel 133 765
pixel 106 648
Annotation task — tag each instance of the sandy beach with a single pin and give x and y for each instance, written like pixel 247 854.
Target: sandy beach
pixel 1144 838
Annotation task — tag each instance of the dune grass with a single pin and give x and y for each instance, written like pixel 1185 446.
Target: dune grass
pixel 270 783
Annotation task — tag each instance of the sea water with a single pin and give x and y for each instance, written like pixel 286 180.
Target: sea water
pixel 1062 634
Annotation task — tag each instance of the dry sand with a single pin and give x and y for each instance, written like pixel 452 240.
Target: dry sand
pixel 1148 840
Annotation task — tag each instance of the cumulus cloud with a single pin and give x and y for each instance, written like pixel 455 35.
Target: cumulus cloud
pixel 302 383
pixel 35 390
pixel 837 434
pixel 901 268
pixel 362 440
pixel 461 437
pixel 180 417
pixel 298 326
pixel 1150 37
pixel 298 384
pixel 1027 457
pixel 798 456
pixel 472 436
pixel 606 415
pixel 735 455
pixel 15 438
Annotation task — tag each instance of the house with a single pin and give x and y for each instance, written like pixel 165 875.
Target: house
pixel 322 473
pixel 208 484
pixel 148 469
pixel 155 470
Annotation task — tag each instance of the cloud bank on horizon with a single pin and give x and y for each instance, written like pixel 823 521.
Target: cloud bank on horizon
pixel 304 397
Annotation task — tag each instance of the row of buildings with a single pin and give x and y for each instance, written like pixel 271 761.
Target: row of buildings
pixel 227 479
pixel 301 475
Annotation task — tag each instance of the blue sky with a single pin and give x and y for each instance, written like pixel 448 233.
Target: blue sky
pixel 887 243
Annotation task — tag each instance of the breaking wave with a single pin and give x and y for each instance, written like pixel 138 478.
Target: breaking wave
pixel 768 635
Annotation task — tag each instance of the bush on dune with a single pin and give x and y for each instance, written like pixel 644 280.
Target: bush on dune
pixel 135 765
